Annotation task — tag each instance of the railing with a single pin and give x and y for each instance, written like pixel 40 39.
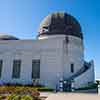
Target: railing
pixel 80 71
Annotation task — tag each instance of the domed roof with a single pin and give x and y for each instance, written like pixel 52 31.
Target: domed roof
pixel 7 37
pixel 60 23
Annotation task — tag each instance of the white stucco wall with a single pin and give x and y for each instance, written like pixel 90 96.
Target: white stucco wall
pixel 55 58
pixel 49 51
pixel 73 54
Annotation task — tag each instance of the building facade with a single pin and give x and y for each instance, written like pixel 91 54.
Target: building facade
pixel 56 54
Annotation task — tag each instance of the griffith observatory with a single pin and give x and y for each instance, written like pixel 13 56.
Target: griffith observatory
pixel 56 55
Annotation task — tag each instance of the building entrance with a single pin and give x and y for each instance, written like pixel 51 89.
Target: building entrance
pixel 67 86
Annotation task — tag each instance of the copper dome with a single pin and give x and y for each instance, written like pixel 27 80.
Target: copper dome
pixel 60 23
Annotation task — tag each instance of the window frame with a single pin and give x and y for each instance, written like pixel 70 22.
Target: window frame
pixel 37 74
pixel 1 67
pixel 72 67
pixel 16 71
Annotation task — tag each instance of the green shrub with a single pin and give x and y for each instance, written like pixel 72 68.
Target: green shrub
pixel 17 89
pixel 89 86
pixel 45 89
pixel 27 97
pixel 2 97
pixel 13 97
pixel 23 90
pixel 19 97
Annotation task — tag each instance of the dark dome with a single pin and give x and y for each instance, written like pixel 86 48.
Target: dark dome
pixel 7 37
pixel 60 23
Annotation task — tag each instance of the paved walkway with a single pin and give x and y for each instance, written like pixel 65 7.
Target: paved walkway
pixel 70 96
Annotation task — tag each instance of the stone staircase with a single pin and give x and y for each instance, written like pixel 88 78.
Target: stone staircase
pixel 80 71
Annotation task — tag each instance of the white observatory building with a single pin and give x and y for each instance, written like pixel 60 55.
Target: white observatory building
pixel 57 54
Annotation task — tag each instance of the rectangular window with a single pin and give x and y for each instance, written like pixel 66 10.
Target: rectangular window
pixel 35 69
pixel 1 64
pixel 72 68
pixel 16 69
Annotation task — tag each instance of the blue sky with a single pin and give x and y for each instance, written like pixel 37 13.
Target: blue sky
pixel 21 18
